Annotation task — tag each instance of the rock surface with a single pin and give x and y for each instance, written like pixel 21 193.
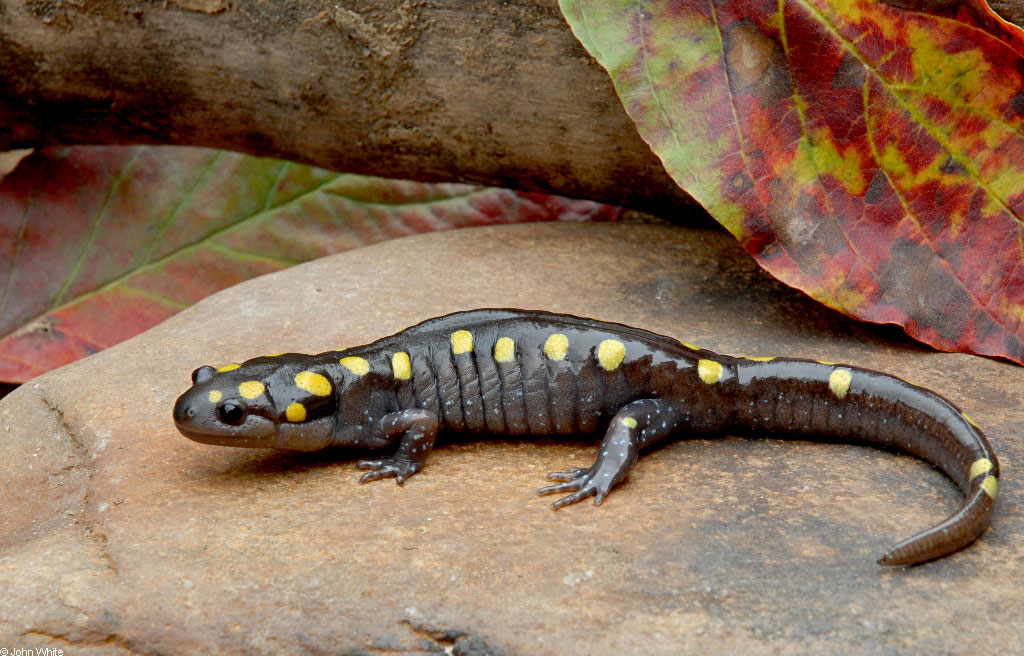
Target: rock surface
pixel 117 535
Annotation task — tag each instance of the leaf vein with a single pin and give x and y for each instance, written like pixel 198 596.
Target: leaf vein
pixel 154 296
pixel 740 137
pixel 909 214
pixel 914 115
pixel 172 216
pixel 101 214
pixel 204 241
pixel 18 240
pixel 234 252
pixel 273 185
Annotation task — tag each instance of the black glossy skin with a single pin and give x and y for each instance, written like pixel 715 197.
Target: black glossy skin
pixel 660 388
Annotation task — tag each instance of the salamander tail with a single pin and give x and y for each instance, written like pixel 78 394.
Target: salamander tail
pixel 954 533
pixel 819 400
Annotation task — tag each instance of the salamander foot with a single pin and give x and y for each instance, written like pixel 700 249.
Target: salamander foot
pixel 582 482
pixel 396 468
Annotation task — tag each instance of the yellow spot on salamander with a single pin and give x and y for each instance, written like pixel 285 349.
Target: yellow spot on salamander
pixel 690 346
pixel 970 421
pixel 556 346
pixel 215 396
pixel 358 366
pixel 839 382
pixel 401 366
pixel 504 349
pixel 629 422
pixel 831 364
pixel 709 371
pixel 313 383
pixel 991 486
pixel 462 341
pixel 250 389
pixel 295 412
pixel 610 354
pixel 272 355
pixel 229 367
pixel 979 467
pixel 760 358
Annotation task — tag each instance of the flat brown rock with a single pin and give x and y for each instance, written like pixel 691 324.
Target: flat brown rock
pixel 118 535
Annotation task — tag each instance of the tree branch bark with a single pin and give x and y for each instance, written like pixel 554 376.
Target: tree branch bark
pixel 498 93
pixel 494 92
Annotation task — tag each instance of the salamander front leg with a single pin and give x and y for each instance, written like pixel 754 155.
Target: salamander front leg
pixel 418 428
pixel 634 426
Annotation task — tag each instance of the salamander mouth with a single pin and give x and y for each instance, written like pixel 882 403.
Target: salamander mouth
pixel 227 440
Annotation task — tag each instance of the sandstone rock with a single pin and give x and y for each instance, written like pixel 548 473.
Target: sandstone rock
pixel 118 535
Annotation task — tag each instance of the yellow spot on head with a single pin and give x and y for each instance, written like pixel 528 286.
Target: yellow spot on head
pixel 358 366
pixel 462 341
pixel 709 371
pixel 831 364
pixel 839 382
pixel 313 383
pixel 401 366
pixel 272 355
pixel 610 354
pixel 991 486
pixel 979 467
pixel 760 358
pixel 969 420
pixel 215 396
pixel 690 346
pixel 250 389
pixel 556 346
pixel 229 367
pixel 295 412
pixel 629 422
pixel 504 349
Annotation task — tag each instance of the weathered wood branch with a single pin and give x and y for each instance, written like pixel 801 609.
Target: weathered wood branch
pixel 494 92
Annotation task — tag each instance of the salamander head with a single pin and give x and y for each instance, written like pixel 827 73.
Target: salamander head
pixel 261 403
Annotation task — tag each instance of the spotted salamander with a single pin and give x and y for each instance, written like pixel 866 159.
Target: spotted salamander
pixel 514 373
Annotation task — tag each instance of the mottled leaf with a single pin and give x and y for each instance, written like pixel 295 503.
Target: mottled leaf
pixel 868 154
pixel 98 244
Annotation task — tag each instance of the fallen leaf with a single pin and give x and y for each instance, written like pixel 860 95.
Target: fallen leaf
pixel 870 155
pixel 99 244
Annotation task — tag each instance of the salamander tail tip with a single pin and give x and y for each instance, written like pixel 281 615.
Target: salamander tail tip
pixel 893 559
pixel 889 561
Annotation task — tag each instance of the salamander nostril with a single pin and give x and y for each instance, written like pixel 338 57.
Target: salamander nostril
pixel 190 413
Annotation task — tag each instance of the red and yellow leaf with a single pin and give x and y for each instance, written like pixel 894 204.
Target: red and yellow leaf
pixel 99 244
pixel 870 155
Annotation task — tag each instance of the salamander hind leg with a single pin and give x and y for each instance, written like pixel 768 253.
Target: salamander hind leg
pixel 418 428
pixel 635 426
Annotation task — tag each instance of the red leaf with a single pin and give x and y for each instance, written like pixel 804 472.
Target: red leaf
pixel 869 155
pixel 99 244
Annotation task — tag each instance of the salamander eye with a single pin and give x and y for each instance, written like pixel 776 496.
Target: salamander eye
pixel 203 373
pixel 231 412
